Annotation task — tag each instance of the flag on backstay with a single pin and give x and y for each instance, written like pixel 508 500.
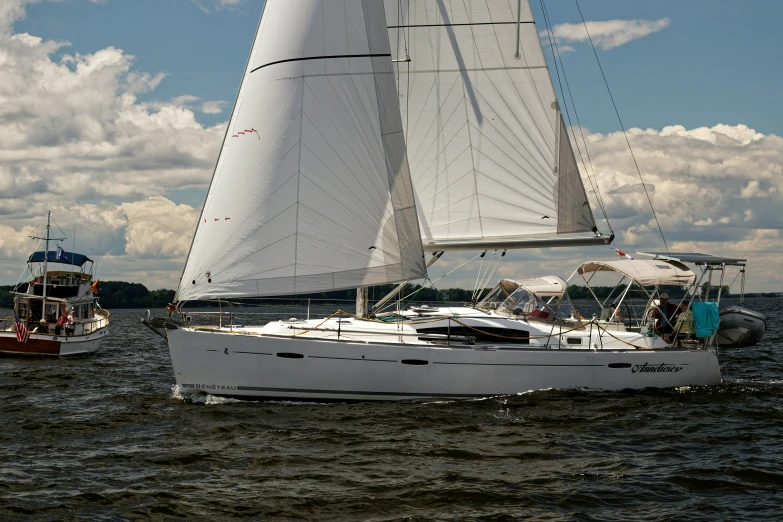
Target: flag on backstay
pixel 61 255
pixel 622 254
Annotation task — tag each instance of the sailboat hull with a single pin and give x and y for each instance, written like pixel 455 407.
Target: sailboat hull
pixel 256 366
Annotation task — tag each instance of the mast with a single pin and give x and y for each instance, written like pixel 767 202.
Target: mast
pixel 362 299
pixel 45 266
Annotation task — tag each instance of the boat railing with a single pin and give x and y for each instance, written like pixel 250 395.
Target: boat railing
pixel 7 323
pixel 100 321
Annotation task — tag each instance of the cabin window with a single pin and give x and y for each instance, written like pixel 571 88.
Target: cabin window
pixel 51 313
pixel 574 340
pixel 36 311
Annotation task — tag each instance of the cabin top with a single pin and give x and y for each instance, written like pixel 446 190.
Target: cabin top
pixel 59 256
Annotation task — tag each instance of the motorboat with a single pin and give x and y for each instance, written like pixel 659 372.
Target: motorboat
pixel 56 312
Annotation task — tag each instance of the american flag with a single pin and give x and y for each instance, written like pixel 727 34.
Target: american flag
pixel 22 334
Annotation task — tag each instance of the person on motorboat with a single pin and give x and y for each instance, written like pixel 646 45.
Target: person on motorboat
pixel 43 328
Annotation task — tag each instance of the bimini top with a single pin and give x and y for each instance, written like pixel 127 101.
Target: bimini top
pixel 541 286
pixel 643 271
pixel 695 258
pixel 544 286
pixel 60 256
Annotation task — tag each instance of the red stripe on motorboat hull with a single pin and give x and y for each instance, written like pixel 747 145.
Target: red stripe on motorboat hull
pixel 32 346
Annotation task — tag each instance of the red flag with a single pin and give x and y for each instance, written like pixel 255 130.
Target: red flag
pixel 94 287
pixel 22 334
pixel 63 318
pixel 622 254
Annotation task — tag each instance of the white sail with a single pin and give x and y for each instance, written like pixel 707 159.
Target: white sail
pixel 311 191
pixel 489 153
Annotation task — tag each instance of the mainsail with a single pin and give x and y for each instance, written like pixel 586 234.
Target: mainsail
pixel 311 191
pixel 489 153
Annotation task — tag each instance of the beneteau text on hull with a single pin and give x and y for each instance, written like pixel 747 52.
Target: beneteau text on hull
pixel 326 181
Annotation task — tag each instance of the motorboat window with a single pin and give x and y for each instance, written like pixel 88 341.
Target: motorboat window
pixel 51 312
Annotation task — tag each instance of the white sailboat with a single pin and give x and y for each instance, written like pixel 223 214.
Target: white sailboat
pixel 313 192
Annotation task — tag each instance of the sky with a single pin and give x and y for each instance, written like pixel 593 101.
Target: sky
pixel 112 113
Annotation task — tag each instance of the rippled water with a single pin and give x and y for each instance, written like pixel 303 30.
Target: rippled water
pixel 108 438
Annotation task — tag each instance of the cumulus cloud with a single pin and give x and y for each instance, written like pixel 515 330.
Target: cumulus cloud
pixel 74 128
pixel 607 34
pixel 138 238
pixel 202 5
pixel 712 189
pixel 76 139
pixel 715 190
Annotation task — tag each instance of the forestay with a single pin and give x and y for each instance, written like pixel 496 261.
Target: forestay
pixel 311 191
pixel 488 149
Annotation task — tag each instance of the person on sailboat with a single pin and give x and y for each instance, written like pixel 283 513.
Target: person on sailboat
pixel 664 314
pixel 685 323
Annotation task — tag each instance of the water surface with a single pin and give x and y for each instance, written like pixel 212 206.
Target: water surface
pixel 108 437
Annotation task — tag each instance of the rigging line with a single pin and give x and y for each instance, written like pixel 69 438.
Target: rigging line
pixel 408 78
pixel 399 15
pixel 481 265
pixel 594 180
pixel 60 229
pixel 432 283
pixel 479 284
pixel 489 277
pixel 553 47
pixel 593 184
pixel 617 112
pixel 489 264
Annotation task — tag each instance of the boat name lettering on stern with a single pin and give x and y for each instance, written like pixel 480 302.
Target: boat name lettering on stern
pixel 661 368
pixel 213 387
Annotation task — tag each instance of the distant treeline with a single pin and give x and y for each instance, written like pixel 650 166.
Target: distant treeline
pixel 113 294
pixel 120 294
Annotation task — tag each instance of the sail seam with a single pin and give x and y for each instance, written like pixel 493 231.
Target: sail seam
pixel 342 160
pixel 533 142
pixel 520 68
pixel 435 117
pixel 324 57
pixel 513 160
pixel 466 85
pixel 457 25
